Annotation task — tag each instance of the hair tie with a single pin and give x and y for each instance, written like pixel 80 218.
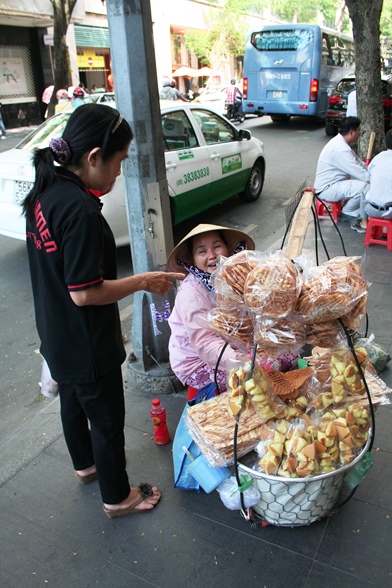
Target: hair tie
pixel 61 150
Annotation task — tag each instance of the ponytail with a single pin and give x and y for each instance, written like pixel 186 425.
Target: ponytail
pixel 45 176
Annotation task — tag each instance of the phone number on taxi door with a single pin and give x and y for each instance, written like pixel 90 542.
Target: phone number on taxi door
pixel 196 175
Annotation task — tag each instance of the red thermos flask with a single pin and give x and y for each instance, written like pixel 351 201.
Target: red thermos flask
pixel 158 415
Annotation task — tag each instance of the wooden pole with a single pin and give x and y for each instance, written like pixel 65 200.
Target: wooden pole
pixel 299 225
pixel 370 148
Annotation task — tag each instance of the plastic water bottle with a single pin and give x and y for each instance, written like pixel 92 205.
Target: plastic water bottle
pixel 158 415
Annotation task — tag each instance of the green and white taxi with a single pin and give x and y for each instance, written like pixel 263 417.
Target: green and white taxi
pixel 208 160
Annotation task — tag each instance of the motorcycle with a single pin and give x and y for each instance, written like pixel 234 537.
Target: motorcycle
pixel 234 112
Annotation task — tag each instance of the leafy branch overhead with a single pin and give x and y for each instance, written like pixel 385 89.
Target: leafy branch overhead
pixel 229 24
pixel 226 33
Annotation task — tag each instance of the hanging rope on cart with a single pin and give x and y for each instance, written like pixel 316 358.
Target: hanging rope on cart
pixel 217 366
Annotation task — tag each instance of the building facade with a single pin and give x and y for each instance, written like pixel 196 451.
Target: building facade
pixel 26 46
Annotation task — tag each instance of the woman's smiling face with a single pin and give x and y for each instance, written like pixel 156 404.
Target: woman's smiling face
pixel 206 248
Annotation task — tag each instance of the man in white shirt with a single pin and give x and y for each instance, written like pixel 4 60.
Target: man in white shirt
pixel 340 174
pixel 378 200
pixel 352 103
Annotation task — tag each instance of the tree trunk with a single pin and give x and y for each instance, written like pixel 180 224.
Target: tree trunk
pixel 62 10
pixel 365 16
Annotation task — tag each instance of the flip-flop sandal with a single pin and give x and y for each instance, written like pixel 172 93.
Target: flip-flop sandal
pixel 86 479
pixel 145 491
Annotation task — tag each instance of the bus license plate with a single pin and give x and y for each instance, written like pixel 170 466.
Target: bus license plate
pixel 21 191
pixel 277 94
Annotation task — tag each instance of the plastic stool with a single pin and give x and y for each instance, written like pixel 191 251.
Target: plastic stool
pixel 375 230
pixel 334 207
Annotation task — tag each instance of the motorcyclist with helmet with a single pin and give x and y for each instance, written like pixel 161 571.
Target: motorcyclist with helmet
pixel 170 92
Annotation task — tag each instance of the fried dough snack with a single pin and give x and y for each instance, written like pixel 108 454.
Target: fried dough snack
pixel 333 290
pixel 272 287
pixel 323 334
pixel 345 375
pixel 286 385
pixel 244 390
pixel 212 427
pixel 352 319
pixel 232 324
pixel 229 278
pixel 275 337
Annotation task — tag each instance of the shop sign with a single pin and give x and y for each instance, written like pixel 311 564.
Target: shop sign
pixel 12 76
pixel 89 60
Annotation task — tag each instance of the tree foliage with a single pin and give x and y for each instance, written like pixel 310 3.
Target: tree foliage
pixel 62 12
pixel 332 13
pixel 227 31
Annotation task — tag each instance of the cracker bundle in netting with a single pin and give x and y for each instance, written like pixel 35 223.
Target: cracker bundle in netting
pixel 331 290
pixel 233 324
pixel 275 337
pixel 273 286
pixel 230 276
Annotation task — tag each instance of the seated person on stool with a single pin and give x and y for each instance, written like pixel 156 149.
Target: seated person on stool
pixel 340 174
pixel 377 202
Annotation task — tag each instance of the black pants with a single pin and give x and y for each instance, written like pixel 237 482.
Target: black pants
pixel 101 404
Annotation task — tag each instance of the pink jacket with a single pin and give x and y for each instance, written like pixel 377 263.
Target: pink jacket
pixel 191 343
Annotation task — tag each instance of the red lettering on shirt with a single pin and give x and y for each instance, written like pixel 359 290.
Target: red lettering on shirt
pixel 45 234
pixel 50 246
pixel 43 230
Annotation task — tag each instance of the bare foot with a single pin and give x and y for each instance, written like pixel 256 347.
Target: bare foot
pixel 139 499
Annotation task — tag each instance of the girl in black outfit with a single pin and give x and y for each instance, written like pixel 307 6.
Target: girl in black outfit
pixel 72 256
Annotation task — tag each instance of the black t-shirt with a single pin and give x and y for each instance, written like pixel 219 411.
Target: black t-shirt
pixel 71 247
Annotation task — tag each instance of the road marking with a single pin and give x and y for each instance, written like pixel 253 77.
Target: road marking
pixel 285 203
pixel 249 229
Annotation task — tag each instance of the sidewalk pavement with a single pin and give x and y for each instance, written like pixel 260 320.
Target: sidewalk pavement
pixel 55 533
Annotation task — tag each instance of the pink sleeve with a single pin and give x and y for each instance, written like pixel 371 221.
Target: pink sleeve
pixel 194 307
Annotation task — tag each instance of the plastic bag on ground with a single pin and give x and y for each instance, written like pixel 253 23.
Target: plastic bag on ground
pixel 230 495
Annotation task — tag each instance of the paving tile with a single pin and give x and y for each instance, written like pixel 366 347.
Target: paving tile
pixel 206 552
pixel 32 555
pixel 359 541
pixel 325 576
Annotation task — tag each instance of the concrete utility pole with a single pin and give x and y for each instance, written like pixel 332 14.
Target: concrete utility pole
pixel 148 206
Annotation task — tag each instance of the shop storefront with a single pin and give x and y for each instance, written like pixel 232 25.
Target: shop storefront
pixel 93 57
pixel 21 79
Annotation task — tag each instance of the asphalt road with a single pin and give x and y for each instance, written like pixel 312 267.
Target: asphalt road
pixel 25 415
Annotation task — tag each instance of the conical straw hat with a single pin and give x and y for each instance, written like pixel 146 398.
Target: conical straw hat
pixel 182 251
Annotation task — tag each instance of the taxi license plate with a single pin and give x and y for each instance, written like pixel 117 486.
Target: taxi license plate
pixel 277 94
pixel 21 191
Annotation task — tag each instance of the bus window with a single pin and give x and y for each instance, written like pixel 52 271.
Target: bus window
pixel 281 40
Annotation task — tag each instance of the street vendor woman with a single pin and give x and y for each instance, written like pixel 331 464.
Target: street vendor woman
pixel 193 348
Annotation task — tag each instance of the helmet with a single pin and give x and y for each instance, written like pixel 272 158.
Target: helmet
pixel 166 82
pixel 78 93
pixel 173 83
pixel 233 81
pixel 62 94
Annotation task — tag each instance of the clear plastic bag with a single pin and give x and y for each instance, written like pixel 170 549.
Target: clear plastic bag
pixel 272 288
pixel 378 356
pixel 230 494
pixel 49 387
pixel 331 290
